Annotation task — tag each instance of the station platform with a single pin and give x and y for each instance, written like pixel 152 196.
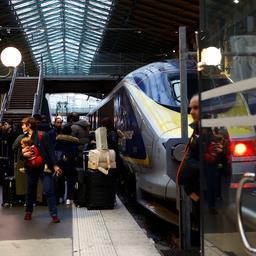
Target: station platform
pixel 81 232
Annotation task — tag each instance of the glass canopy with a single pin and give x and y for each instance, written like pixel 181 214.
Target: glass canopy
pixel 65 33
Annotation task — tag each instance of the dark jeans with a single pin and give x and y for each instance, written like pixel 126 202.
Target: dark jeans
pixel 32 179
pixel 70 176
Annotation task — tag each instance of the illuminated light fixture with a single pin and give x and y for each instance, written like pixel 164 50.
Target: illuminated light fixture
pixel 11 57
pixel 211 56
pixel 236 1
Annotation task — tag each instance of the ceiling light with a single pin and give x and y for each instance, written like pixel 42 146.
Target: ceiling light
pixel 236 1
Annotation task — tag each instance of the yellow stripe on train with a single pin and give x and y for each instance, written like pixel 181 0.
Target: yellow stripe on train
pixel 144 162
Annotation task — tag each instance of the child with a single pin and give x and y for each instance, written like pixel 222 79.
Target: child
pixel 33 161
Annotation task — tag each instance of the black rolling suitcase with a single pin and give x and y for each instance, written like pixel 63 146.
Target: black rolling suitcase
pixel 100 189
pixel 80 189
pixel 9 191
pixel 6 168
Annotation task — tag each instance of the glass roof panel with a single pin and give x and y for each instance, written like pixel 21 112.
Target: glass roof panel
pixel 47 3
pixel 22 4
pixel 64 31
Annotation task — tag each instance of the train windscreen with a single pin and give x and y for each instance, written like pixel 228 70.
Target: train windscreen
pixel 164 87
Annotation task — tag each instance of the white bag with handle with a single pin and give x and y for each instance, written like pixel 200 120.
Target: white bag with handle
pixel 101 138
pixel 102 160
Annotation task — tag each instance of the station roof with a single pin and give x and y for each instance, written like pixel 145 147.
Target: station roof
pixel 81 36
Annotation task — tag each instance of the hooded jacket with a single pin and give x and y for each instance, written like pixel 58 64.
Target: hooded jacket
pixel 67 144
pixel 80 131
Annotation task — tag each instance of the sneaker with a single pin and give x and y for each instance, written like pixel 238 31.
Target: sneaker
pixel 69 202
pixel 55 219
pixel 28 216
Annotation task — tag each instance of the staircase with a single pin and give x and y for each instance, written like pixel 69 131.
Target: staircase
pixel 22 99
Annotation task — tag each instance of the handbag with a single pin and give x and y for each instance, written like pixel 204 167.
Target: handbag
pixel 102 160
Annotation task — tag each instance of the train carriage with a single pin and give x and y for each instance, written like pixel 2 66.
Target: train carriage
pixel 145 108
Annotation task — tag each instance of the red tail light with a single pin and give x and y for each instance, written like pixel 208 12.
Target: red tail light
pixel 243 148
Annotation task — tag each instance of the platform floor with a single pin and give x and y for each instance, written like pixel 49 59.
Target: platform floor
pixel 81 232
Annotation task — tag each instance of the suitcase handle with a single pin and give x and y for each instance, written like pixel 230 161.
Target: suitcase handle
pixel 101 169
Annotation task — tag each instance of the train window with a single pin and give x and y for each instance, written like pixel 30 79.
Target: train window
pixel 175 84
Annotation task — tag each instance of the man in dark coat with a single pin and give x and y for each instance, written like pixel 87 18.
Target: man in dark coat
pixel 80 130
pixel 56 130
pixel 189 171
pixel 66 152
pixel 9 135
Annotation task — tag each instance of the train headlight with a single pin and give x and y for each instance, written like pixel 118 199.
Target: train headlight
pixel 178 151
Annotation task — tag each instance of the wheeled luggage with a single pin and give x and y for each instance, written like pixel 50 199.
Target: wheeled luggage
pixel 85 159
pixel 6 168
pixel 80 189
pixel 9 191
pixel 100 189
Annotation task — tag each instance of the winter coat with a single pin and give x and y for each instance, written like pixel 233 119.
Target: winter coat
pixel 80 131
pixel 53 133
pixel 68 146
pixel 189 170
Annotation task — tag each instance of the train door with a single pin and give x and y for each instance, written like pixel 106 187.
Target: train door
pixel 229 120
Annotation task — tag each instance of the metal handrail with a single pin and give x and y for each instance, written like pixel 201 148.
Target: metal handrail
pixel 7 96
pixel 248 177
pixel 38 95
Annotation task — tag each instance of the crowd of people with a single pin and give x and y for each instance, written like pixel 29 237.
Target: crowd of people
pixel 49 152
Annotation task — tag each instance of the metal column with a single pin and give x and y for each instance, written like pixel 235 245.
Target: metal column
pixel 184 200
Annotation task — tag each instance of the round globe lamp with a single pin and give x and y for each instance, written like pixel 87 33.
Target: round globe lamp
pixel 10 57
pixel 211 56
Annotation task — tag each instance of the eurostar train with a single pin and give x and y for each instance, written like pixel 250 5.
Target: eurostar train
pixel 145 109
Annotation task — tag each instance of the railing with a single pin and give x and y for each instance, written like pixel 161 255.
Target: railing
pixel 248 177
pixel 38 97
pixel 7 96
